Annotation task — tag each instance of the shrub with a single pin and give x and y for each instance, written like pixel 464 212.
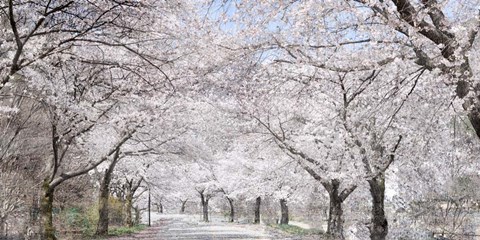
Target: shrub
pixel 116 231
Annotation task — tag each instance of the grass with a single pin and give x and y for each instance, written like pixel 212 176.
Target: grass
pixel 114 231
pixel 298 231
pixel 118 231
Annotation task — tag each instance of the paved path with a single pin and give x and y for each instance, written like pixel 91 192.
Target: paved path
pixel 185 227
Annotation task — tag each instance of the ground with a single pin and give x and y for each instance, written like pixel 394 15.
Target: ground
pixel 188 227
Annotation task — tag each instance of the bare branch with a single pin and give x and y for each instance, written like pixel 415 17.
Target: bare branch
pixel 68 175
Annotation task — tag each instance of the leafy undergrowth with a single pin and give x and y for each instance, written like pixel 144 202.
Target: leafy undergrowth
pixel 113 231
pixel 118 231
pixel 298 231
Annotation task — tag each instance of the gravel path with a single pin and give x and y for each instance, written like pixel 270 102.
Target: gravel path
pixel 186 227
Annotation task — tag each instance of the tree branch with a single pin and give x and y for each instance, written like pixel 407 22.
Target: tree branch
pixel 68 175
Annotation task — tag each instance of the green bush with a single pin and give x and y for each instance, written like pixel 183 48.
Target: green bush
pixel 76 220
pixel 115 208
pixel 90 220
pixel 82 220
pixel 117 231
pixel 72 215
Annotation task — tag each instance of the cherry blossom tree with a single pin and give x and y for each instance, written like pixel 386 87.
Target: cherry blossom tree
pixel 92 85
pixel 173 95
pixel 441 36
pixel 300 44
pixel 283 118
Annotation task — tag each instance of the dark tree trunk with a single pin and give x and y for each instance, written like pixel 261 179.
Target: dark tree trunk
pixel 102 225
pixel 137 215
pixel 474 117
pixel 258 202
pixel 204 200
pixel 232 210
pixel 160 208
pixel 379 224
pixel 46 212
pixel 130 188
pixel 284 211
pixel 182 209
pixel 3 232
pixel 205 210
pixel 335 213
pixel 128 209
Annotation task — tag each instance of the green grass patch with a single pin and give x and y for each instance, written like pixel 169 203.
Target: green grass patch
pixel 294 230
pixel 118 231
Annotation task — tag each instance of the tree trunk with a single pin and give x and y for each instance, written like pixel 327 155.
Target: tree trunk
pixel 128 209
pixel 130 188
pixel 335 213
pixel 137 215
pixel 182 209
pixel 284 211
pixel 2 228
pixel 204 207
pixel 46 212
pixel 232 210
pixel 258 202
pixel 31 228
pixel 205 211
pixel 379 223
pixel 102 225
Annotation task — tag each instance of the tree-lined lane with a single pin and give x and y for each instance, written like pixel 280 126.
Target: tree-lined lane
pixel 187 227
